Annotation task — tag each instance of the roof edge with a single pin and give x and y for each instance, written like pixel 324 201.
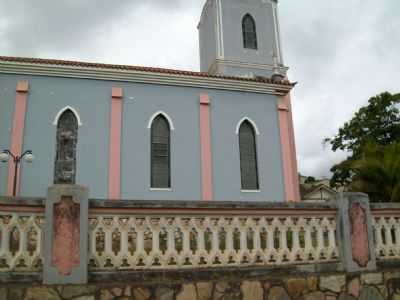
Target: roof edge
pixel 77 69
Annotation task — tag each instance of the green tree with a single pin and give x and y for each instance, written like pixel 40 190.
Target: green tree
pixel 310 179
pixel 377 172
pixel 378 123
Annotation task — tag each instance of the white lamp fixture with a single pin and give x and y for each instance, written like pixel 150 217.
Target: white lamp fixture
pixel 29 157
pixel 4 156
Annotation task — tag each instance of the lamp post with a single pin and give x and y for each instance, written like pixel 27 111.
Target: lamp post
pixel 5 156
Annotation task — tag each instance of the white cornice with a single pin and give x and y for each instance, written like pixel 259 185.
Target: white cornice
pixel 142 77
pixel 236 63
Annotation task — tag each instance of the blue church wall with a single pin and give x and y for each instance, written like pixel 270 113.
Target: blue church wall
pixel 228 108
pixel 7 103
pixel 92 100
pixel 182 106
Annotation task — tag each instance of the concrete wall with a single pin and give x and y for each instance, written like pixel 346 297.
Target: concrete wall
pixel 92 99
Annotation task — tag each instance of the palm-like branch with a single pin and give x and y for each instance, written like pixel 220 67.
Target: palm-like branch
pixel 377 172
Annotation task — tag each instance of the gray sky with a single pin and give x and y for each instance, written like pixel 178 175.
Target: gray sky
pixel 341 52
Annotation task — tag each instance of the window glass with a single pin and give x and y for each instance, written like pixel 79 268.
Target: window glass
pixel 160 153
pixel 249 32
pixel 248 157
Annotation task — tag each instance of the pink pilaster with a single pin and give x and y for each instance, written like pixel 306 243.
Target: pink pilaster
pixel 17 134
pixel 114 175
pixel 205 145
pixel 291 180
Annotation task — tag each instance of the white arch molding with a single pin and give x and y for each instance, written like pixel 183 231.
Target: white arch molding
pixel 78 118
pixel 250 121
pixel 171 125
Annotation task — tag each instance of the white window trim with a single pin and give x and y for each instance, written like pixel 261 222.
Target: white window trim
pixel 250 191
pixel 160 112
pixel 251 122
pixel 78 118
pixel 161 189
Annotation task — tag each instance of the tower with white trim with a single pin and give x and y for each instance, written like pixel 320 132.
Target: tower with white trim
pixel 240 38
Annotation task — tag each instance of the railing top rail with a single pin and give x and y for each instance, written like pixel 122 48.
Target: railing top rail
pixel 99 203
pixel 210 208
pixel 385 209
pixel 379 206
pixel 163 207
pixel 25 205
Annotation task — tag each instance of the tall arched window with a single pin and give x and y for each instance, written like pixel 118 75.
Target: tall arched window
pixel 67 138
pixel 248 157
pixel 249 32
pixel 160 153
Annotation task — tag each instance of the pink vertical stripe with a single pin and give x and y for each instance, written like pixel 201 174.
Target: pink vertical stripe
pixel 17 134
pixel 291 180
pixel 205 145
pixel 114 175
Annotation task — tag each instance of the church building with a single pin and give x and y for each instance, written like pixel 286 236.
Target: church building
pixel 129 132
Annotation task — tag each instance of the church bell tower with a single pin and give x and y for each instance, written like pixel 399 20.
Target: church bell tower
pixel 241 38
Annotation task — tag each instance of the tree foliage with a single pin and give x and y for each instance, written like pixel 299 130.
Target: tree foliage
pixel 377 123
pixel 377 172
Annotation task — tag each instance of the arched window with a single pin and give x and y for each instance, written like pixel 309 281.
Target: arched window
pixel 67 138
pixel 249 32
pixel 248 157
pixel 160 153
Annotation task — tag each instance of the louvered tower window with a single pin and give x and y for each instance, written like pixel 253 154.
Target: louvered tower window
pixel 248 157
pixel 160 153
pixel 249 32
pixel 67 138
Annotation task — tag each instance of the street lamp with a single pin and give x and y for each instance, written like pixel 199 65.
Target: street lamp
pixel 5 156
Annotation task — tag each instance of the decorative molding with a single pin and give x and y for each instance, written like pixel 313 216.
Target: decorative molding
pixel 22 86
pixel 143 77
pixel 206 148
pixel 60 112
pixel 160 112
pixel 17 134
pixel 213 68
pixel 251 122
pixel 288 150
pixel 114 167
pixel 117 92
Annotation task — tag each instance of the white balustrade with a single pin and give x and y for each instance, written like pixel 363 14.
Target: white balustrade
pixel 386 230
pixel 20 243
pixel 154 242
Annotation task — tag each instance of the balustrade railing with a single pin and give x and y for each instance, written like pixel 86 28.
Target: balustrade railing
pixel 21 240
pixel 210 239
pixel 386 228
pixel 131 235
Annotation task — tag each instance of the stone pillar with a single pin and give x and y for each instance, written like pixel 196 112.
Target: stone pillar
pixel 65 235
pixel 355 232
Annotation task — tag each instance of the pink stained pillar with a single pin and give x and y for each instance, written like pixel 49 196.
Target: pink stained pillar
pixel 17 134
pixel 206 151
pixel 114 175
pixel 291 180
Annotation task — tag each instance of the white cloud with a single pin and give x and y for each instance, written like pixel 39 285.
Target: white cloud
pixel 340 52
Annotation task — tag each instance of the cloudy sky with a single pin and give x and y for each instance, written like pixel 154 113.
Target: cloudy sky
pixel 341 52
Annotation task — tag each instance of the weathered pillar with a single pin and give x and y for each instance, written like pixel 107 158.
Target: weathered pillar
pixel 355 232
pixel 65 235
